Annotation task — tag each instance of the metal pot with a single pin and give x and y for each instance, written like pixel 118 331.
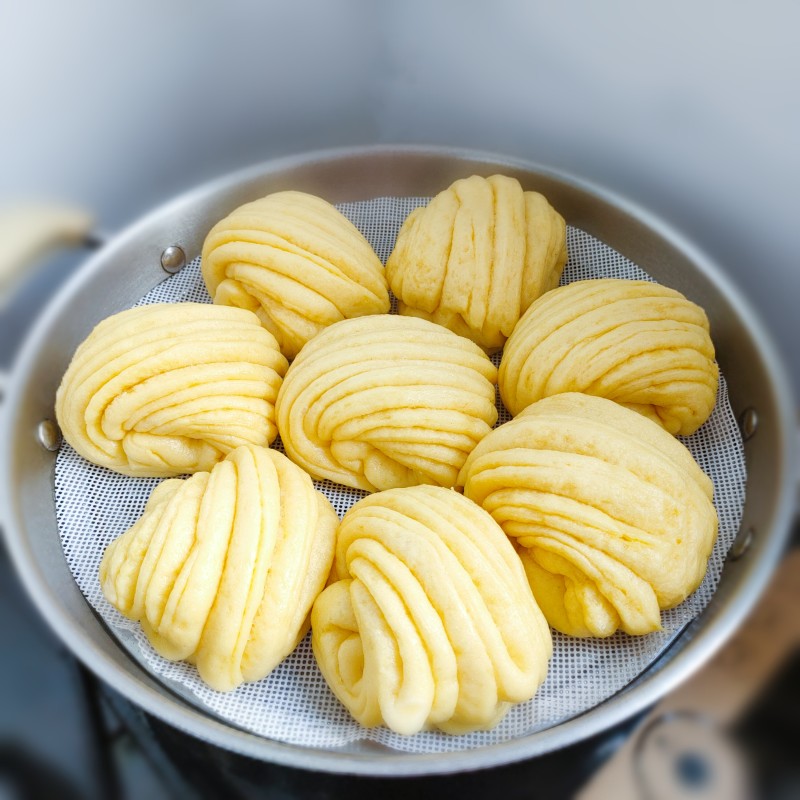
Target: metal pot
pixel 136 260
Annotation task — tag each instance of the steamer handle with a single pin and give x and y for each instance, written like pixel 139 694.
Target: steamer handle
pixel 30 233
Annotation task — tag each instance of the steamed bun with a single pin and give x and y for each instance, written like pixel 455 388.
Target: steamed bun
pixel 386 401
pixel 295 261
pixel 170 388
pixel 612 516
pixel 222 568
pixel 638 343
pixel 477 256
pixel 430 622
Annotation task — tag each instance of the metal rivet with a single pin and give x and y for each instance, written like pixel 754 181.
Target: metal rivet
pixel 741 544
pixel 748 423
pixel 173 259
pixel 49 435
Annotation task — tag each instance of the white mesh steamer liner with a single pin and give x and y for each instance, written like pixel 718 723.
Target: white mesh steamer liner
pixel 294 704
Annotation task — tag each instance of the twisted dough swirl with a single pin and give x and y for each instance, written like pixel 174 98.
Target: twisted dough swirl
pixel 641 344
pixel 171 388
pixel 477 256
pixel 222 568
pixel 386 401
pixel 430 622
pixel 297 262
pixel 613 518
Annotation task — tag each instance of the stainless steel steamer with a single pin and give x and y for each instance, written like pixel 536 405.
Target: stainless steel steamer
pixel 131 264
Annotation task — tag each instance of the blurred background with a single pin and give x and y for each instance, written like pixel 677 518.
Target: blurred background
pixel 691 109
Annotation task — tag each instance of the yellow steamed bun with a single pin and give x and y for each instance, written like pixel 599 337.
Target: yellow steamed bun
pixel 638 343
pixel 295 261
pixel 167 389
pixel 477 256
pixel 430 622
pixel 386 401
pixel 613 518
pixel 222 568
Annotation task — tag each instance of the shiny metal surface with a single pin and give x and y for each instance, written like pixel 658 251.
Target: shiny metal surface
pixel 130 265
pixel 173 259
pixel 742 543
pixel 748 423
pixel 49 435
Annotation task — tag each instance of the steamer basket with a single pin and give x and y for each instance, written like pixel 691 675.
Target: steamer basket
pixel 131 265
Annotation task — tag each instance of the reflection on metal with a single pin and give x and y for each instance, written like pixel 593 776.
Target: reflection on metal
pixel 742 543
pixel 173 259
pixel 49 435
pixel 748 423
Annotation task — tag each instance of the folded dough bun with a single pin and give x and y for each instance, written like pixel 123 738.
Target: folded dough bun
pixel 612 516
pixel 294 260
pixel 167 389
pixel 431 622
pixel 223 567
pixel 477 256
pixel 635 342
pixel 386 401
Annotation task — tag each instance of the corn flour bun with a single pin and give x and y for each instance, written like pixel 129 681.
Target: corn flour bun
pixel 295 261
pixel 222 568
pixel 430 622
pixel 171 388
pixel 611 515
pixel 638 343
pixel 386 401
pixel 477 256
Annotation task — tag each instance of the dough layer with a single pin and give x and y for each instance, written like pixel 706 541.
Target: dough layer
pixel 430 622
pixel 295 261
pixel 611 515
pixel 171 388
pixel 386 401
pixel 222 568
pixel 641 344
pixel 477 256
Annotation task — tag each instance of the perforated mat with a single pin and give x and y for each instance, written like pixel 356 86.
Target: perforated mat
pixel 293 704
